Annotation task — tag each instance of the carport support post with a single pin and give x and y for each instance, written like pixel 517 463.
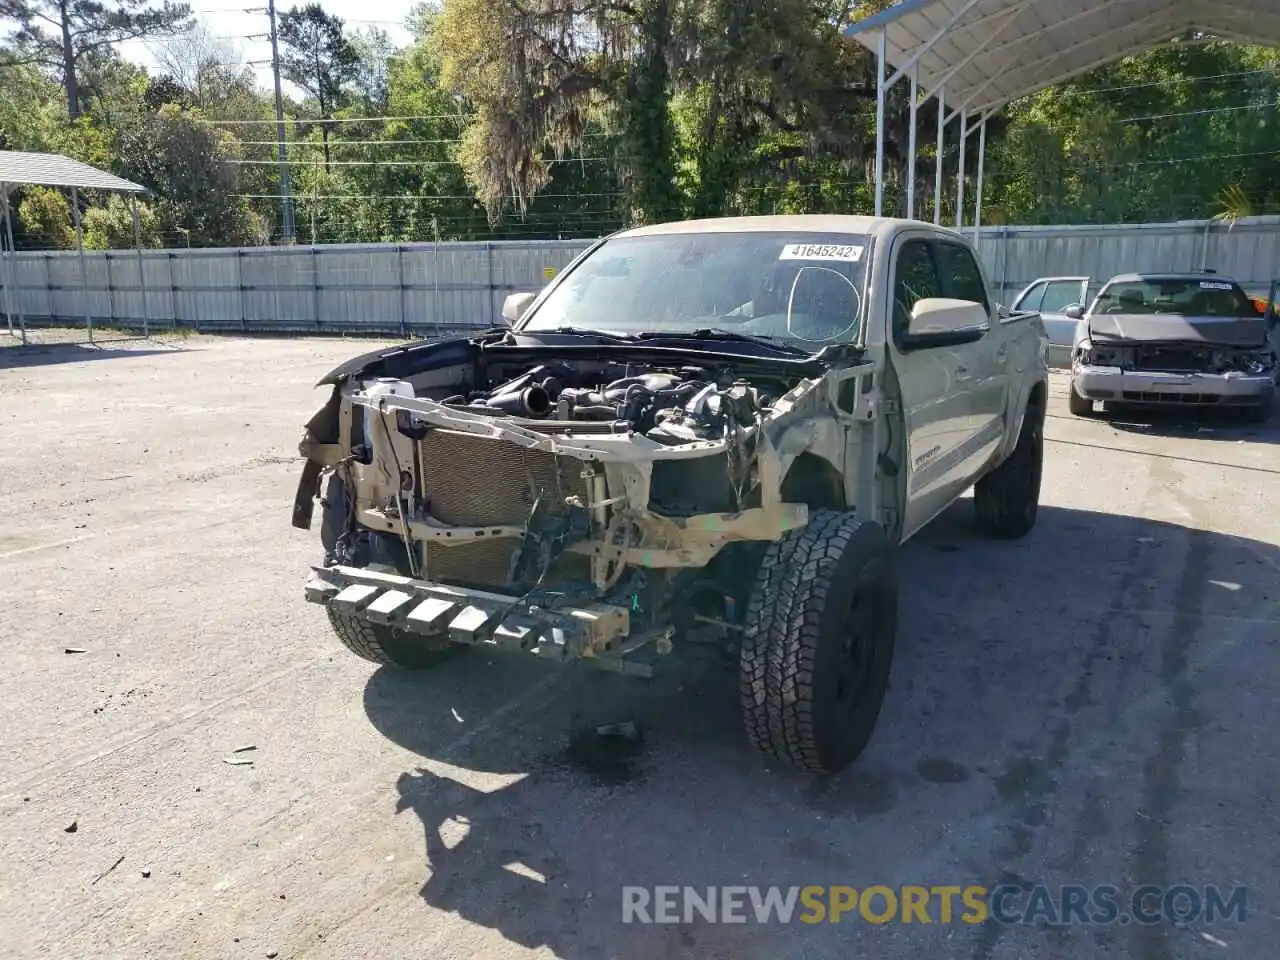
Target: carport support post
pixel 142 276
pixel 881 91
pixel 11 276
pixel 911 145
pixel 937 173
pixel 964 136
pixel 84 268
pixel 982 159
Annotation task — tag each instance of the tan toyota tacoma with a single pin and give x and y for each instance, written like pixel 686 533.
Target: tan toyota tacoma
pixel 725 425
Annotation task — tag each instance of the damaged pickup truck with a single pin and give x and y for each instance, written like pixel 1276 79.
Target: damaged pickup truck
pixel 1173 339
pixel 716 428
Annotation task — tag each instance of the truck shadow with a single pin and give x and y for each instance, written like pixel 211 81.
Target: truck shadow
pixel 1011 657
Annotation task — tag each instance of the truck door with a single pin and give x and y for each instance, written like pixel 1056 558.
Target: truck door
pixel 934 385
pixel 983 372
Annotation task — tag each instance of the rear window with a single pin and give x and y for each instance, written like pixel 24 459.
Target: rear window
pixel 1176 296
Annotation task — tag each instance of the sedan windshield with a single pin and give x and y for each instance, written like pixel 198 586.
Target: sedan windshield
pixel 1177 297
pixel 805 288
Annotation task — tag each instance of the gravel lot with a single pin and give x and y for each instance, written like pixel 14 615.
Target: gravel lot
pixel 1093 705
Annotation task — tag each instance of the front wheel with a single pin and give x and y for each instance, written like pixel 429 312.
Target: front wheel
pixel 379 643
pixel 1078 405
pixel 818 642
pixel 1007 500
pixel 1257 413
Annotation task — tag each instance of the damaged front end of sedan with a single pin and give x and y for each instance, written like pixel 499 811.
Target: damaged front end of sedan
pixel 1186 341
pixel 582 501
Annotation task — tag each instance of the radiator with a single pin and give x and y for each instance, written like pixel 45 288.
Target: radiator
pixel 475 481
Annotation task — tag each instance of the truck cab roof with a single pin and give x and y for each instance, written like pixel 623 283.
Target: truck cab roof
pixel 791 223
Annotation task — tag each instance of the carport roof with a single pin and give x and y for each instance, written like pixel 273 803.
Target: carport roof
pixel 988 52
pixel 55 170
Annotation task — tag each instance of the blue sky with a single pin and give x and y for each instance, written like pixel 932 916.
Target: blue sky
pixel 230 20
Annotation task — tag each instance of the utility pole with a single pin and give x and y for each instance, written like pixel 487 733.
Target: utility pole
pixel 286 189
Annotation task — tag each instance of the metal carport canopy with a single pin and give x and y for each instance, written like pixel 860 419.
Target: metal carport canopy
pixel 976 55
pixel 988 52
pixel 18 168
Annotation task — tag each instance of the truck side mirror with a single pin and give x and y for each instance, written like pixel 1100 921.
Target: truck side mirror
pixel 514 307
pixel 943 321
pixel 1074 312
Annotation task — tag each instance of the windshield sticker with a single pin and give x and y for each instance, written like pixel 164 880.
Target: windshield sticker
pixel 821 251
pixel 1214 285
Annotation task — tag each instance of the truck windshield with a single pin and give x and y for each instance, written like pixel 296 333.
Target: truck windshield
pixel 1177 297
pixel 801 287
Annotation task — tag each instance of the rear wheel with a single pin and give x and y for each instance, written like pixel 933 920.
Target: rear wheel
pixel 378 643
pixel 1007 499
pixel 1078 405
pixel 818 642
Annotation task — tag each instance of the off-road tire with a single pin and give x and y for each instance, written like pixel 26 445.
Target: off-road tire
pixel 1007 500
pixel 378 643
pixel 818 642
pixel 1078 405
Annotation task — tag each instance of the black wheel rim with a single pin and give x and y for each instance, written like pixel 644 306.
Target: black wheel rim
pixel 863 626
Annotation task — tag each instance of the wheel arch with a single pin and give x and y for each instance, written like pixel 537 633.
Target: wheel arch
pixel 814 480
pixel 1032 397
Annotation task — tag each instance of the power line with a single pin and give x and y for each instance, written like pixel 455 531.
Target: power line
pixel 1176 80
pixel 168 41
pixel 1202 157
pixel 393 163
pixel 465 116
pixel 350 143
pixel 420 196
pixel 1201 113
pixel 424 116
pixel 995 174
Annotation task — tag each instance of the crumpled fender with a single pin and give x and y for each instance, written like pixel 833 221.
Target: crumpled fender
pixel 321 430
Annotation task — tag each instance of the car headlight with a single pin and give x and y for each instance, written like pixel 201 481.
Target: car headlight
pixel 1264 361
pixel 1084 352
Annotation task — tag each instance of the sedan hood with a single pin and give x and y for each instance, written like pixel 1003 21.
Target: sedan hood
pixel 1145 327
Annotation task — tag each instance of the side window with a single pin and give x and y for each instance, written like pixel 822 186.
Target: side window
pixel 1061 295
pixel 915 277
pixel 960 274
pixel 1031 299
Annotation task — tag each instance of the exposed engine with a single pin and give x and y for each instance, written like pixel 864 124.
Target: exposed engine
pixel 676 405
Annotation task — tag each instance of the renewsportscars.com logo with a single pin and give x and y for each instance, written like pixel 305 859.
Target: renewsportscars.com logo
pixel 973 904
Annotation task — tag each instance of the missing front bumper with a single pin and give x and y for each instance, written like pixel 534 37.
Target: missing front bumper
pixel 546 626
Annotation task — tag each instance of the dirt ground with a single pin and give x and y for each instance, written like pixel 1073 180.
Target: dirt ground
pixel 1094 705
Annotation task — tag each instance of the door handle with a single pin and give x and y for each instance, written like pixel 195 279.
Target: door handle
pixel 962 373
pixel 1002 355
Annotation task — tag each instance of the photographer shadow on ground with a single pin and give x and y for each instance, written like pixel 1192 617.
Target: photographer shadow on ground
pixel 528 835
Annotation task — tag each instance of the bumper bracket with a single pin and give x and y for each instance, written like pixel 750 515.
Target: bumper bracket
pixel 593 631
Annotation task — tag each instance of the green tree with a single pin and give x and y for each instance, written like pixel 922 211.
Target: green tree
pixel 44 220
pixel 211 75
pixel 110 225
pixel 63 34
pixel 188 164
pixel 371 82
pixel 318 58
